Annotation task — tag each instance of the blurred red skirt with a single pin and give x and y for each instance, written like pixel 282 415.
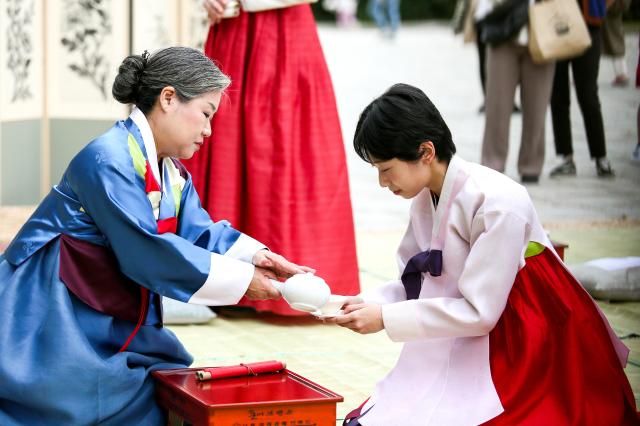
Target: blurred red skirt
pixel 275 165
pixel 552 358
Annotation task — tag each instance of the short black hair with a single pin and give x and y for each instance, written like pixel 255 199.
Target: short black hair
pixel 396 123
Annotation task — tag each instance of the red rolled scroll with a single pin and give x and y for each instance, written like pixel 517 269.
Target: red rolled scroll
pixel 249 369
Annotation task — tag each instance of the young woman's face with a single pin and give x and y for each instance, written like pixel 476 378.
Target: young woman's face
pixel 186 125
pixel 404 178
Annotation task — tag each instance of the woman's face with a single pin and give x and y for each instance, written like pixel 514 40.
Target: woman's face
pixel 404 178
pixel 184 125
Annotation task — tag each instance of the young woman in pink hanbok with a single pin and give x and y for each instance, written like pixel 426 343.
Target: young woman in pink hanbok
pixel 496 331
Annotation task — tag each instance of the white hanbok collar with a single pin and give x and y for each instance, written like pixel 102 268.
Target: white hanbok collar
pixel 453 180
pixel 141 121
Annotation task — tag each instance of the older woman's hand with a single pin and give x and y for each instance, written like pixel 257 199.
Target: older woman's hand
pixel 278 265
pixel 215 9
pixel 260 287
pixel 363 318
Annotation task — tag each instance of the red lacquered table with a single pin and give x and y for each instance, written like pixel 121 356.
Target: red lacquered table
pixel 274 399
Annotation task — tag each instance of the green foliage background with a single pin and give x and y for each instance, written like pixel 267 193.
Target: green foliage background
pixel 410 10
pixel 416 10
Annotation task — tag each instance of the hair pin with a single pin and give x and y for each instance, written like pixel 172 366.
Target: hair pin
pixel 145 56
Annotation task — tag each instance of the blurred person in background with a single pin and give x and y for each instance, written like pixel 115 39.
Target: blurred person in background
pixel 636 152
pixel 471 30
pixel 345 11
pixel 613 41
pixel 585 70
pixel 386 15
pixel 510 64
pixel 278 165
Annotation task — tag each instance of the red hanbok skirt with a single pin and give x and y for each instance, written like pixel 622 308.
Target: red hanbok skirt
pixel 275 165
pixel 552 357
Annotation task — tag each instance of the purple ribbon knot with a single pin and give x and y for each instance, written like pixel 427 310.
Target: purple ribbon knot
pixel 427 261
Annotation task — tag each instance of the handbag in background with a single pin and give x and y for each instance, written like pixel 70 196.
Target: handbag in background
pixel 557 31
pixel 504 21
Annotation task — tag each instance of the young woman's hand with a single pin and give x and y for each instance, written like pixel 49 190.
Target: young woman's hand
pixel 260 287
pixel 352 300
pixel 363 318
pixel 215 9
pixel 278 265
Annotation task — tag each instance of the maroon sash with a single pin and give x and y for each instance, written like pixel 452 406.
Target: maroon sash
pixel 91 272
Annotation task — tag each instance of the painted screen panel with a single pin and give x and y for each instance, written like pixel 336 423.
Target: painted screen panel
pixel 86 43
pixel 21 59
pixel 155 24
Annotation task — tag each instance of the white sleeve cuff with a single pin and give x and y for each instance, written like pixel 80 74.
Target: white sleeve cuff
pixel 227 282
pixel 400 321
pixel 245 248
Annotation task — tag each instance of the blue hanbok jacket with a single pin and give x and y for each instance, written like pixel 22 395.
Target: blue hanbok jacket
pixel 89 268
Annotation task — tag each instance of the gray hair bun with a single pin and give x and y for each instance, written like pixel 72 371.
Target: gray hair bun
pixel 125 86
pixel 141 78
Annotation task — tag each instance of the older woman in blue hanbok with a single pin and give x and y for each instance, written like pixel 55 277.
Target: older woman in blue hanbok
pixel 81 283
